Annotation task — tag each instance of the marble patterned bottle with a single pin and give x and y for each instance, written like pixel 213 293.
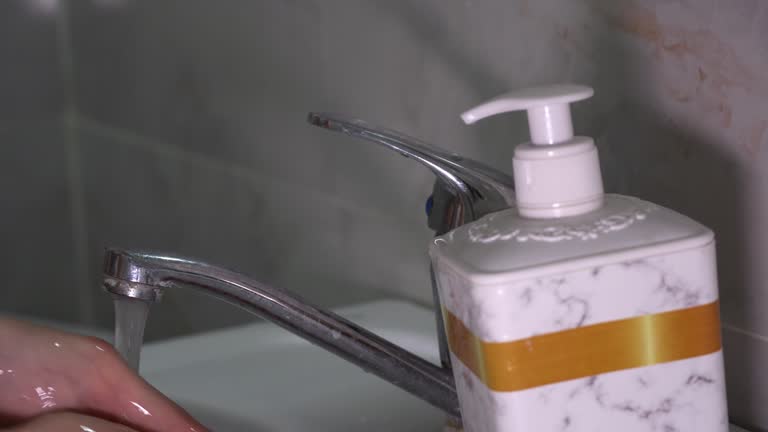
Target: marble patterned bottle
pixel 576 310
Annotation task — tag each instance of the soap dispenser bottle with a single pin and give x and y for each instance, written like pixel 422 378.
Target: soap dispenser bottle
pixel 577 310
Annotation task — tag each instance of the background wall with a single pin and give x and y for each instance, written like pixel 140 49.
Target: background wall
pixel 180 126
pixel 39 262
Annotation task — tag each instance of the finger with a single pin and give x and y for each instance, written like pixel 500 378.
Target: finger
pixel 125 397
pixel 53 370
pixel 69 421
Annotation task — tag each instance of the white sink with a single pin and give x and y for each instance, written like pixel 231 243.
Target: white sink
pixel 261 378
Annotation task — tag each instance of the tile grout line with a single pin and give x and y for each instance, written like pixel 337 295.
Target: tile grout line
pixel 69 121
pixel 65 56
pixel 78 216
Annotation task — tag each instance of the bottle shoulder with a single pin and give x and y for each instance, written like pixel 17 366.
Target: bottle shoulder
pixel 505 242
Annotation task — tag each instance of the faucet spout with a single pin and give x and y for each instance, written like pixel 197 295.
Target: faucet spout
pixel 147 276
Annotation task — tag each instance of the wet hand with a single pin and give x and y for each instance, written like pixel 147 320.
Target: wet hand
pixel 68 421
pixel 46 371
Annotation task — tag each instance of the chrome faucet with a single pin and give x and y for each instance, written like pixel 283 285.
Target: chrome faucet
pixel 465 190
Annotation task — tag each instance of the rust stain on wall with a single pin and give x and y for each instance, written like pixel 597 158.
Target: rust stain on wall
pixel 703 45
pixel 756 137
pixel 717 71
pixel 679 95
pixel 524 8
pixel 726 114
pixel 702 74
pixel 638 21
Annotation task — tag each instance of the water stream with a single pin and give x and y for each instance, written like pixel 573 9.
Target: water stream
pixel 130 319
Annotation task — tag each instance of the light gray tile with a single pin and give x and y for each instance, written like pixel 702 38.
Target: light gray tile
pixel 746 355
pixel 236 82
pixel 36 259
pixel 148 198
pixel 31 84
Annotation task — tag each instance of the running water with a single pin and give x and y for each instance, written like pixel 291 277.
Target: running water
pixel 130 318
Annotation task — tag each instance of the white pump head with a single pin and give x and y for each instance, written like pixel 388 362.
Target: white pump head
pixel 556 174
pixel 549 112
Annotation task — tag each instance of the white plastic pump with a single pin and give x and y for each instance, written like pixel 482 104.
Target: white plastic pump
pixel 556 174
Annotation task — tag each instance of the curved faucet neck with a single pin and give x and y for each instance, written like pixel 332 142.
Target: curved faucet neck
pixel 146 277
pixel 465 190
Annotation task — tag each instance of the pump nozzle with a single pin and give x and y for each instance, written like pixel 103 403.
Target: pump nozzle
pixel 556 174
pixel 549 112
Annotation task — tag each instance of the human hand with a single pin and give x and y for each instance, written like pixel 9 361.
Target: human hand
pixel 50 378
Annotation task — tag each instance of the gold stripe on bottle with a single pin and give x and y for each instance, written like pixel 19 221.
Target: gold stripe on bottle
pixel 586 351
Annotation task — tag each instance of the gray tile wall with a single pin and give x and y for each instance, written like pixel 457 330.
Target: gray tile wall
pixel 32 84
pixel 36 257
pixel 147 195
pixel 334 219
pixel 38 263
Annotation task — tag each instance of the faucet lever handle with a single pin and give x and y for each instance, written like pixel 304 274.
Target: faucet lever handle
pixel 478 188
